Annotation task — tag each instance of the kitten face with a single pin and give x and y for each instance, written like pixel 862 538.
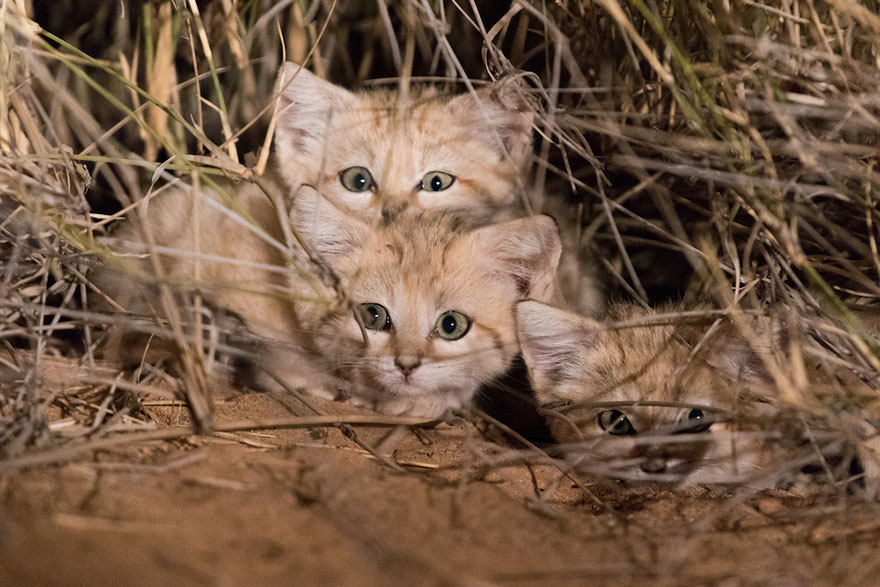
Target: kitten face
pixel 632 401
pixel 436 299
pixel 376 156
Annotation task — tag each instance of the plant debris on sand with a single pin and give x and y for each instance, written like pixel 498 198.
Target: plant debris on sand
pixel 722 151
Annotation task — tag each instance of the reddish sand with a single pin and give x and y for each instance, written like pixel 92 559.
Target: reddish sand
pixel 311 507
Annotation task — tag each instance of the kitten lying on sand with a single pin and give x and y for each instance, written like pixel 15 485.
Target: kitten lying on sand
pixel 380 159
pixel 635 404
pixel 435 296
pixel 630 398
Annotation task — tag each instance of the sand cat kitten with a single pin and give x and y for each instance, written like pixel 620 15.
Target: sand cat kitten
pixel 375 155
pixel 377 152
pixel 434 295
pixel 633 402
pixel 437 299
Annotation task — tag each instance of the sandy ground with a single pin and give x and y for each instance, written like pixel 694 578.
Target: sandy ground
pixel 310 507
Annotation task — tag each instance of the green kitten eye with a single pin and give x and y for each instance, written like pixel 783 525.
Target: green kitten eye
pixel 375 317
pixel 356 179
pixel 452 325
pixel 615 422
pixel 436 181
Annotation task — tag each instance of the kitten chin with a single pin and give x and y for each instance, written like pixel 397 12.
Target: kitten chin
pixel 633 403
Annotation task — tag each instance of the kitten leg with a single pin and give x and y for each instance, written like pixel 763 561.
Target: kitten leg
pixel 295 371
pixel 425 406
pixel 869 455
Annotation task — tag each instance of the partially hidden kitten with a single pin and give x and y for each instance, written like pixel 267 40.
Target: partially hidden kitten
pixel 378 152
pixel 635 402
pixel 434 294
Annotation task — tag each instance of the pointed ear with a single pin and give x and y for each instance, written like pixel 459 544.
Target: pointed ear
pixel 553 343
pixel 326 230
pixel 526 251
pixel 306 104
pixel 501 111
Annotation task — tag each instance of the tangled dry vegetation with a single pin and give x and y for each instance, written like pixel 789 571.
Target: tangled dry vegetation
pixel 708 150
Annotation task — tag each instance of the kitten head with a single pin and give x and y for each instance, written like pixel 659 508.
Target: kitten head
pixel 433 300
pixel 376 155
pixel 633 400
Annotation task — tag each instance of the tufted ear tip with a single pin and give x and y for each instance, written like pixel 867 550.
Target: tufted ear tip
pixel 510 92
pixel 295 73
pixel 525 251
pixel 739 355
pixel 288 70
pixel 543 234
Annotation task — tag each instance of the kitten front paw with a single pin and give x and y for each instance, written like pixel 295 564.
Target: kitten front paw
pixel 310 384
pixel 418 406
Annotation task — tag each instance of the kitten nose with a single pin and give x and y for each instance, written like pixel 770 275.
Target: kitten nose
pixel 407 363
pixel 391 210
pixel 653 466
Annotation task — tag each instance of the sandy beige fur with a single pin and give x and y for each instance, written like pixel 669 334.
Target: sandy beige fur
pixel 483 141
pixel 418 267
pixel 580 368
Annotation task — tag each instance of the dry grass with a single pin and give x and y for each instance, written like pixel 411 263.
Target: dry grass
pixel 732 145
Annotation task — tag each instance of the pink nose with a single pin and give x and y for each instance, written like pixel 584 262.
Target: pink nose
pixel 407 364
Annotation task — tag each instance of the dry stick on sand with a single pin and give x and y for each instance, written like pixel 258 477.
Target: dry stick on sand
pixel 77 450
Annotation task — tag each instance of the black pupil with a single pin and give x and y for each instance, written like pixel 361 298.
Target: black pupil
pixel 373 313
pixel 618 421
pixel 449 324
pixel 695 414
pixel 436 185
pixel 360 181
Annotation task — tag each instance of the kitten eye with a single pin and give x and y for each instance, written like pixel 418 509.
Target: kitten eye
pixel 375 317
pixel 615 422
pixel 452 325
pixel 436 181
pixel 356 179
pixel 697 421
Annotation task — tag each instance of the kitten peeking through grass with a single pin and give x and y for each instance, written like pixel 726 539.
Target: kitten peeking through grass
pixel 390 203
pixel 376 153
pixel 636 402
pixel 639 397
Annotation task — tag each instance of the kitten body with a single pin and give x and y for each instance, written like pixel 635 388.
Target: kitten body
pixel 416 269
pixel 636 402
pixel 378 158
